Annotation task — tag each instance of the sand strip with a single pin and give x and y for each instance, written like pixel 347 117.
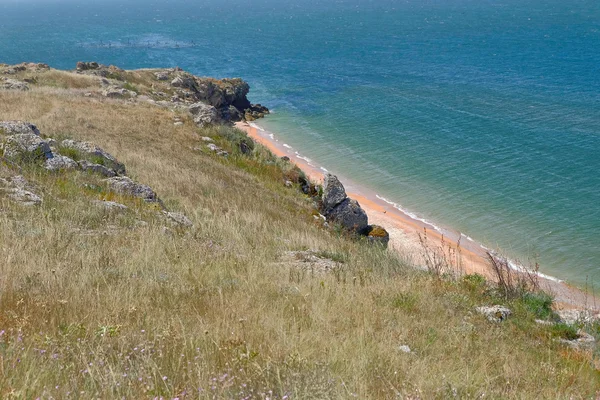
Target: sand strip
pixel 407 234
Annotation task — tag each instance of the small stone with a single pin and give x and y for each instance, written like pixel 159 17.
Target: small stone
pixel 495 313
pixel 178 123
pixel 178 218
pixel 109 205
pixel 405 349
pixel 289 184
pixel 207 139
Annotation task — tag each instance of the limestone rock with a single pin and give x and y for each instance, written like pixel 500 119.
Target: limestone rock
pixel 405 349
pixel 584 341
pixel 572 317
pixel 96 169
pixel 19 190
pixel 91 150
pixel 217 149
pixel 16 127
pixel 124 185
pixel 27 146
pixel 350 215
pixel 309 260
pixel 333 193
pixel 204 114
pixel 185 81
pixel 58 163
pixel 178 219
pixel 109 205
pixel 162 76
pixel 12 84
pixel 494 313
pixel 117 93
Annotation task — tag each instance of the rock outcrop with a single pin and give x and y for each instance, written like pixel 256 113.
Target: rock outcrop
pixel 350 215
pixel 58 163
pixel 126 186
pixel 18 127
pixel 18 189
pixel 204 114
pixel 13 84
pixel 338 208
pixel 97 154
pixel 26 146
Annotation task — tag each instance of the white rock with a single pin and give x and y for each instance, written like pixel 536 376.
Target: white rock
pixel 494 313
pixel 58 162
pixel 405 349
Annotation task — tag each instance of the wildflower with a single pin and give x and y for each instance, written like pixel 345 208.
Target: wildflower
pixel 164 378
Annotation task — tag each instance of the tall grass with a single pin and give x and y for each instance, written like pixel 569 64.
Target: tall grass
pixel 97 304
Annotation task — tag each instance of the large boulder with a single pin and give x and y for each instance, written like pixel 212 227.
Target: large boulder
pixel 124 185
pixel 350 215
pixel 204 114
pixel 27 147
pixel 333 193
pixel 98 155
pixel 16 127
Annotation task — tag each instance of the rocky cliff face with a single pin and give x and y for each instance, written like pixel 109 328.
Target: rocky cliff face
pixel 223 100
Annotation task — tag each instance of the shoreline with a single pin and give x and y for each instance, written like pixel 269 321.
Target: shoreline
pixel 408 232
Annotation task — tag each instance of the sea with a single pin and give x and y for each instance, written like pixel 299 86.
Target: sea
pixel 482 116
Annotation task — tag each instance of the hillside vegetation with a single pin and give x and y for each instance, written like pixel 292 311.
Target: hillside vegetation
pixel 102 303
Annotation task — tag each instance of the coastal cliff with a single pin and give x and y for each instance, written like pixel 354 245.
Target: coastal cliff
pixel 150 249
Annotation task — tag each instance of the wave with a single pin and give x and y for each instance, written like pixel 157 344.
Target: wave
pixel 410 214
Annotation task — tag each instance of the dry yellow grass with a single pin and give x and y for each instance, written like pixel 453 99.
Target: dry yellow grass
pixel 93 306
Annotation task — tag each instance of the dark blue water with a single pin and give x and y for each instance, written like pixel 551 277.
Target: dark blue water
pixel 480 115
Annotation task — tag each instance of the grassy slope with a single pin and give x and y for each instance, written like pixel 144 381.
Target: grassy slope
pixel 207 313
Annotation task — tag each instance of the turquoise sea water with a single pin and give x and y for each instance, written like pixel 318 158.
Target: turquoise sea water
pixel 483 116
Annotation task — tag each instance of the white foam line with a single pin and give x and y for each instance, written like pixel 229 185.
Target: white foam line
pixel 520 268
pixel 324 169
pixel 469 238
pixel 410 214
pixel 287 146
pixel 257 127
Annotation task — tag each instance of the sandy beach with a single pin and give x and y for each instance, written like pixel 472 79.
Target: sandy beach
pixel 411 236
